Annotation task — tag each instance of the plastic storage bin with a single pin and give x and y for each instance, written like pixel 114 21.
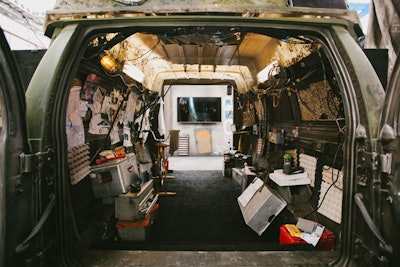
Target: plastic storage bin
pixel 112 178
pixel 137 230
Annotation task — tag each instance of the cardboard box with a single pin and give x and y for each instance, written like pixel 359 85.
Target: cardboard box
pixel 260 205
pixel 326 242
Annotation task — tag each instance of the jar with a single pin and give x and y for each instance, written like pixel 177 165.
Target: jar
pixel 287 164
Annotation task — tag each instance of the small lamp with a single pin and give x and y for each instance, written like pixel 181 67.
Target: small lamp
pixel 108 62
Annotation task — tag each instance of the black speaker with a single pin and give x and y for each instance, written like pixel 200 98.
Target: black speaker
pixel 340 4
pixel 379 59
pixel 229 90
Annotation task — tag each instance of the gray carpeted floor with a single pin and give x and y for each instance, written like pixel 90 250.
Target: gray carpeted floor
pixel 204 213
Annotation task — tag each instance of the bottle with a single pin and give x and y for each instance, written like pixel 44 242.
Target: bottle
pixel 287 164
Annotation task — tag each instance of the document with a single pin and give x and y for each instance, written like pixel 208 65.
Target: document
pixel 313 238
pixel 283 179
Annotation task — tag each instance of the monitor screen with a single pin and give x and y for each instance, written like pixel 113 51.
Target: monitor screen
pixel 199 109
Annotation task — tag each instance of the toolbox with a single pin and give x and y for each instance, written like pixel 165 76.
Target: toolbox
pixel 326 242
pixel 239 176
pixel 134 206
pixel 113 177
pixel 138 230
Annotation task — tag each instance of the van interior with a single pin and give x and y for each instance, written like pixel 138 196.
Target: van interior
pixel 259 97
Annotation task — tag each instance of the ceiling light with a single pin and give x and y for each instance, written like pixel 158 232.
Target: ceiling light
pixel 108 62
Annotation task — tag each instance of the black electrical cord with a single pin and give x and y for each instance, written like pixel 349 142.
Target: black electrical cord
pixel 109 131
pixel 145 53
pixel 301 40
pixel 333 181
pixel 36 229
pixel 33 31
pixel 358 197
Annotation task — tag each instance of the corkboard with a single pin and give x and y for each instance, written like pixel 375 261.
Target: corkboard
pixel 321 103
pixel 203 141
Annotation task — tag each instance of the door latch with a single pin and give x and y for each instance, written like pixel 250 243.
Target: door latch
pixel 386 162
pixel 32 162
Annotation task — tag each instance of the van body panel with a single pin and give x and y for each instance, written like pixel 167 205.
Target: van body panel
pixel 388 177
pixel 358 137
pixel 17 189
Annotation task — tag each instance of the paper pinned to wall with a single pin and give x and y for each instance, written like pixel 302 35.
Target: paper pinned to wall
pixel 203 141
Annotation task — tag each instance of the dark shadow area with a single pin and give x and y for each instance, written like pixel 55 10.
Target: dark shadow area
pixel 205 209
pixel 204 215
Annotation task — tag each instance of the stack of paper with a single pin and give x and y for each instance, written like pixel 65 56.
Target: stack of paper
pixel 283 179
pixel 311 231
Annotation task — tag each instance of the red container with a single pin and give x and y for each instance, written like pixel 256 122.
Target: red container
pixel 327 241
pixel 137 230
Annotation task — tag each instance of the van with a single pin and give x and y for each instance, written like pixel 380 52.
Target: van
pixel 270 82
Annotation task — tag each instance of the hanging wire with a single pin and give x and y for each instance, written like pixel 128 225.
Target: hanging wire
pixel 340 129
pixel 301 40
pixel 169 88
pixel 333 181
pixel 145 53
pixel 276 97
pixel 325 84
pixel 122 78
pixel 304 103
pixel 33 31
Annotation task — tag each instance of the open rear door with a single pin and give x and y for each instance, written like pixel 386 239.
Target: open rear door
pixel 16 208
pixel 387 199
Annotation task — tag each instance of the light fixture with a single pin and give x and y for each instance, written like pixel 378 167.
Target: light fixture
pixel 133 72
pixel 108 62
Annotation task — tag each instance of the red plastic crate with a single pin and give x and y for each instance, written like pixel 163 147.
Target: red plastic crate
pixel 145 222
pixel 327 241
pixel 137 230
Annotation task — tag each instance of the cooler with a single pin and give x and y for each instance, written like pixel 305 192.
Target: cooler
pixel 113 177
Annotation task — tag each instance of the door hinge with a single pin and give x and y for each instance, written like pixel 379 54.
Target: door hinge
pixel 32 162
pixel 385 162
pixel 381 162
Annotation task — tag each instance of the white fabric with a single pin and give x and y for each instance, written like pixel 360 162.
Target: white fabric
pixel 161 118
pixel 74 124
pixel 145 126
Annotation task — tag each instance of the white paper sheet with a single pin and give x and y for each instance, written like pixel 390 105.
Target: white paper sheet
pixel 283 179
pixel 314 237
pixel 114 137
pixel 127 137
pixel 130 108
pixel 161 119
pixel 247 194
pixel 94 127
pixel 74 125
